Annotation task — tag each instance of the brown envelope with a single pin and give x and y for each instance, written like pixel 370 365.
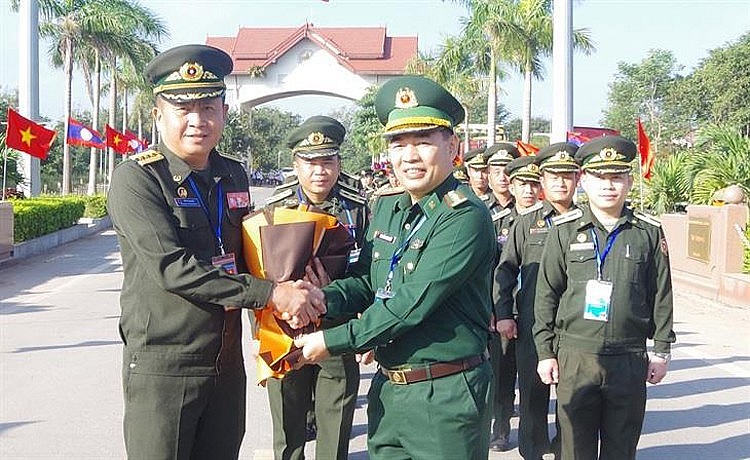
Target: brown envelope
pixel 286 249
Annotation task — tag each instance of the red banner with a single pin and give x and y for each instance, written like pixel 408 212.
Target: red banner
pixel 29 137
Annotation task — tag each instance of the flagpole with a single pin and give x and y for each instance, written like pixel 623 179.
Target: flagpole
pixel 640 181
pixel 5 169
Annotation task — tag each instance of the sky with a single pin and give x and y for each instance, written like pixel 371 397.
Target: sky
pixel 622 30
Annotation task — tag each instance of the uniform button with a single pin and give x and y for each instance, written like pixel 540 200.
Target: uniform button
pixel 376 255
pixel 132 365
pixel 407 226
pixel 410 266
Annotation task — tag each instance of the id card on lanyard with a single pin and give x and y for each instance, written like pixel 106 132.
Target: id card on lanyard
pixel 225 261
pixel 598 298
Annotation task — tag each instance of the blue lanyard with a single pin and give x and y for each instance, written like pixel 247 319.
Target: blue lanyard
pixel 396 257
pixel 220 207
pixel 351 226
pixel 600 256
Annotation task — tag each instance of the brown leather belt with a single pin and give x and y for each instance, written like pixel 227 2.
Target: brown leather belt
pixel 432 371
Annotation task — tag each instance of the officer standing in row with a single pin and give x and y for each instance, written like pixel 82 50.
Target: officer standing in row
pixel 425 276
pixel 557 171
pixel 603 289
pixel 329 388
pixel 476 170
pixel 502 350
pixel 177 211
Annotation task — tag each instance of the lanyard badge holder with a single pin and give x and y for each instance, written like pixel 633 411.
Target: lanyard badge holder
pixel 226 262
pixel 598 292
pixel 386 292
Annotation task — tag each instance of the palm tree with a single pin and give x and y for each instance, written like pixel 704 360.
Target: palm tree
pixel 111 27
pixel 724 160
pixel 669 185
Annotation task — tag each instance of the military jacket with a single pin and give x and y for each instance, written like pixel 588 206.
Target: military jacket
pixel 439 306
pixel 521 255
pixel 637 265
pixel 173 320
pixel 503 218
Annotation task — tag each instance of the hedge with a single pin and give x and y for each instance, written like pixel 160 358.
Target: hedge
pixel 34 217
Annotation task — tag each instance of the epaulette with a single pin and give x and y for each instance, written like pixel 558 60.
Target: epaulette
pixel 531 209
pixel 149 156
pixel 346 186
pixel 454 197
pixel 350 179
pixel 360 200
pixel 567 217
pixel 273 199
pixel 286 186
pixel 499 215
pixel 647 218
pixel 387 190
pixel 230 156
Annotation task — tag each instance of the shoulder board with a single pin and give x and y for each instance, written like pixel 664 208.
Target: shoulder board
pixel 454 198
pixel 149 156
pixel 346 186
pixel 387 190
pixel 350 179
pixel 230 156
pixel 352 197
pixel 499 215
pixel 277 197
pixel 647 218
pixel 567 217
pixel 288 186
pixel 531 209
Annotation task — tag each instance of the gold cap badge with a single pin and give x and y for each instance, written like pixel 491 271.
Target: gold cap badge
pixel 406 99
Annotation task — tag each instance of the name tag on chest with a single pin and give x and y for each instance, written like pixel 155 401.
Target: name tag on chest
pixel 187 202
pixel 582 246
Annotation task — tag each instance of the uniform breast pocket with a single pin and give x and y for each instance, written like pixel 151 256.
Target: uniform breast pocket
pixel 534 246
pixel 193 228
pixel 381 259
pixel 632 266
pixel 411 258
pixel 581 265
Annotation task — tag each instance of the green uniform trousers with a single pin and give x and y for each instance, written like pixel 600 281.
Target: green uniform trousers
pixel 447 418
pixel 335 383
pixel 503 360
pixel 184 417
pixel 601 404
pixel 533 434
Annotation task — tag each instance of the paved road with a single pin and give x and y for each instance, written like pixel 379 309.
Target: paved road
pixel 61 396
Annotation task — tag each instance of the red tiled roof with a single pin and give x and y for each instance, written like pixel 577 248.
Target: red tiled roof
pixel 361 49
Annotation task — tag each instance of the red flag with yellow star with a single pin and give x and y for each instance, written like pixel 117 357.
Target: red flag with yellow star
pixel 117 140
pixel 29 137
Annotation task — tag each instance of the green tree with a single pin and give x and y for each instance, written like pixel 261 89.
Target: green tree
pixel 120 27
pixel 11 175
pixel 363 140
pixel 640 90
pixel 669 185
pixel 721 158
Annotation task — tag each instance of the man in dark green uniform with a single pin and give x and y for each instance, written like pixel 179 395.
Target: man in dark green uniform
pixel 425 275
pixel 558 174
pixel 498 157
pixel 177 211
pixel 334 381
pixel 603 289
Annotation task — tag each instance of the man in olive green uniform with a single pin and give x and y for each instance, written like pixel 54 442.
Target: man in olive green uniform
pixel 329 388
pixel 498 157
pixel 425 275
pixel 558 174
pixel 177 211
pixel 603 289
pixel 502 351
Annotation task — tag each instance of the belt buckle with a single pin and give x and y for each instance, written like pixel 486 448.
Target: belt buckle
pixel 398 377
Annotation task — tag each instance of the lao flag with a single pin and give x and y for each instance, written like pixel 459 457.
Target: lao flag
pixel 577 138
pixel 80 134
pixel 136 144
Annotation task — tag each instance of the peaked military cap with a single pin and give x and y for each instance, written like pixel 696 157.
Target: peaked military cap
pixel 607 155
pixel 189 72
pixel 317 137
pixel 413 103
pixel 501 154
pixel 476 159
pixel 460 175
pixel 558 157
pixel 523 168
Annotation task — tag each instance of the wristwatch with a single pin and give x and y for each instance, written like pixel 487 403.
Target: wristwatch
pixel 664 356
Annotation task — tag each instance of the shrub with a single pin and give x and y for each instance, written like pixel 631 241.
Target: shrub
pixel 34 217
pixel 96 206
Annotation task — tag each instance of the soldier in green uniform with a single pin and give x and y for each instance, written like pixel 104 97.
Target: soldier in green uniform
pixel 603 289
pixel 328 388
pixel 476 169
pixel 177 211
pixel 424 276
pixel 558 173
pixel 502 349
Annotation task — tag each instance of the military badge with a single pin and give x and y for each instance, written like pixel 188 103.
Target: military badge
pixel 177 178
pixel 182 192
pixel 406 99
pixel 581 238
pixel 191 71
pixel 540 223
pixel 416 244
pixel 663 246
pixel 562 155
pixel 608 154
pixel 315 138
pixel 505 231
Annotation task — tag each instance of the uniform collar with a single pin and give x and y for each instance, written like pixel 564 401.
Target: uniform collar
pixel 180 170
pixel 330 201
pixel 588 219
pixel 429 203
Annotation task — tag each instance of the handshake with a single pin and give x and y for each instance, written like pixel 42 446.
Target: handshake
pixel 299 303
